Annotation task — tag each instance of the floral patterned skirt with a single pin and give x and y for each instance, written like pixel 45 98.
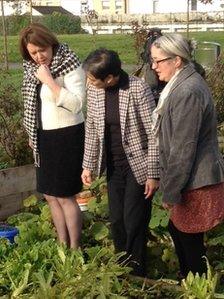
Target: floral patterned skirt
pixel 201 209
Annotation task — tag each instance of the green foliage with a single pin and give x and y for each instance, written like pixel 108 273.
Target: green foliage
pixel 57 22
pixel 15 23
pixel 160 216
pixel 99 231
pixel 37 267
pixel 201 287
pixel 13 140
pixel 62 23
pixel 215 81
pixel 30 201
pixel 82 44
pixel 124 44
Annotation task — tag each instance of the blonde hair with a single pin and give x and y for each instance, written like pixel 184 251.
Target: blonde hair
pixel 175 44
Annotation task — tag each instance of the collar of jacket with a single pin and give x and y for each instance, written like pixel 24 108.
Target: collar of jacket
pixel 187 71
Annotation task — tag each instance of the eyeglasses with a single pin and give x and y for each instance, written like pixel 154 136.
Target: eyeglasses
pixel 156 62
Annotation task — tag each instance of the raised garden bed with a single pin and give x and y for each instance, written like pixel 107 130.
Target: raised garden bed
pixel 15 184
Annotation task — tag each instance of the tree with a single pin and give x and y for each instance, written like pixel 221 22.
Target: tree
pixel 17 5
pixel 5 54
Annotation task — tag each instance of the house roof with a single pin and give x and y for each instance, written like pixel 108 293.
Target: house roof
pixel 47 10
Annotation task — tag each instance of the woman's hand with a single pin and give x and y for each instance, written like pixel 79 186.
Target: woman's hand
pixel 31 144
pixel 167 206
pixel 86 177
pixel 151 186
pixel 44 75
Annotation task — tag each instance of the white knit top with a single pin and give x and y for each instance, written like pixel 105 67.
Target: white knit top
pixel 65 110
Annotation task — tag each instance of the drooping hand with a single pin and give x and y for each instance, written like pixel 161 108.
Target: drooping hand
pixel 167 205
pixel 31 144
pixel 151 186
pixel 86 177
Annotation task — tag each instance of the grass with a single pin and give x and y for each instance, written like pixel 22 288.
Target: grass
pixel 82 44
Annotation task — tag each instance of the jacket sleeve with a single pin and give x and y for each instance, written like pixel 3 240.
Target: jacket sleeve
pixel 146 106
pixel 73 95
pixel 186 118
pixel 91 150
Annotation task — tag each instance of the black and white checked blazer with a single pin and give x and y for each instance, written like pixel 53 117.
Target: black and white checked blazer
pixel 136 104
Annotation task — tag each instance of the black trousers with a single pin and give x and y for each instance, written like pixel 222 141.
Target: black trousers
pixel 129 215
pixel 190 250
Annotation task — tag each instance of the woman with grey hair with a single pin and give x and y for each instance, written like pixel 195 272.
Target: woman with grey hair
pixel 191 167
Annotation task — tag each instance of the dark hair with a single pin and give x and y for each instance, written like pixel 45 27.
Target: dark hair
pixel 38 35
pixel 152 35
pixel 154 31
pixel 102 62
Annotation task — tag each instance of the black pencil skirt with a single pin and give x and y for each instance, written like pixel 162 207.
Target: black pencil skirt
pixel 61 154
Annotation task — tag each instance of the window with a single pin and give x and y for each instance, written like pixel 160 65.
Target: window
pixel 193 5
pixel 155 6
pixel 222 4
pixel 118 4
pixel 105 4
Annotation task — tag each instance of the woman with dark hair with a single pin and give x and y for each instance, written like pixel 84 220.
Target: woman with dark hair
pixel 147 73
pixel 192 168
pixel 119 136
pixel 54 92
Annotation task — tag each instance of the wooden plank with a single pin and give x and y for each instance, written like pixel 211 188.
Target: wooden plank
pixel 12 203
pixel 16 184
pixel 17 180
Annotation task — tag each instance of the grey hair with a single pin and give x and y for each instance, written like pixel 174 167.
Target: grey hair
pixel 175 44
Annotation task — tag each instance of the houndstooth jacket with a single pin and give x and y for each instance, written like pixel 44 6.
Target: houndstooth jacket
pixel 136 104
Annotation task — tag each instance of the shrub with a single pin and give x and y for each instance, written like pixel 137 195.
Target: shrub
pixel 13 140
pixel 215 82
pixel 15 23
pixel 57 22
pixel 62 24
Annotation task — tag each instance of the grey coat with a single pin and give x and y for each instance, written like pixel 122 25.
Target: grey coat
pixel 189 155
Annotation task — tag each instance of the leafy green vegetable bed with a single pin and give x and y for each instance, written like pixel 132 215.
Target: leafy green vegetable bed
pixel 37 267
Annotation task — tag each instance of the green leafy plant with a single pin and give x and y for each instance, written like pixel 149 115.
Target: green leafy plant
pixel 13 140
pixel 62 23
pixel 160 216
pixel 201 287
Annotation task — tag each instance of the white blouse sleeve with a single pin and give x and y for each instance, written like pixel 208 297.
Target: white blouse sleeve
pixel 73 92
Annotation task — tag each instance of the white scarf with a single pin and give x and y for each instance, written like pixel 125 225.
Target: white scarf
pixel 158 112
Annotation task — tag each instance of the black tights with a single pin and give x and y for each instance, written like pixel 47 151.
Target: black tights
pixel 190 249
